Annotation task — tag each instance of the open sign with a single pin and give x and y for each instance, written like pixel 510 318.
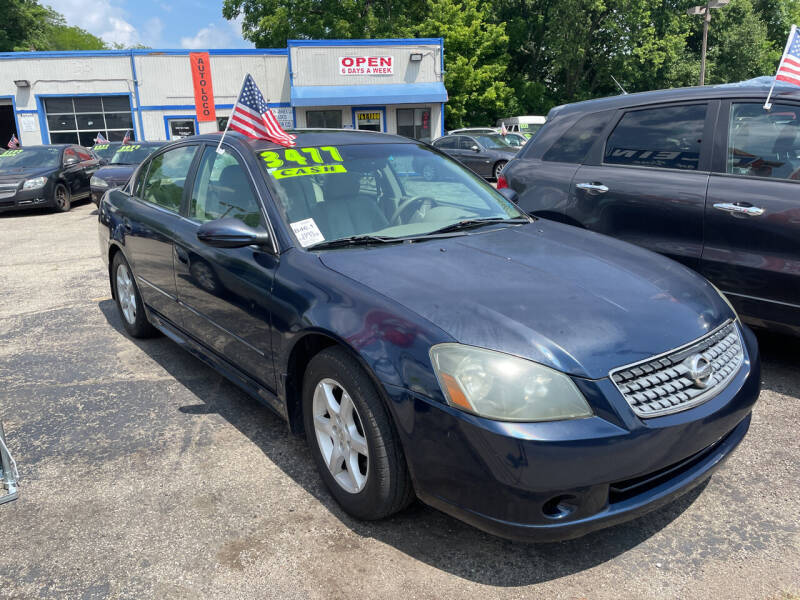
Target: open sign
pixel 366 65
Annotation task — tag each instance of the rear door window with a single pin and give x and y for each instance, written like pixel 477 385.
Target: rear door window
pixel 764 144
pixel 663 137
pixel 577 140
pixel 165 180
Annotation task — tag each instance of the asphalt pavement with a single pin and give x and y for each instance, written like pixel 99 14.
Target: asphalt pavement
pixel 144 474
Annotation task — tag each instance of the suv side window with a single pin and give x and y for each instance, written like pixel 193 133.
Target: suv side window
pixel 764 144
pixel 578 139
pixel 663 137
pixel 163 185
pixel 222 189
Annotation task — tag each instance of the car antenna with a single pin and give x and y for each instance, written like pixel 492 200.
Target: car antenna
pixel 619 86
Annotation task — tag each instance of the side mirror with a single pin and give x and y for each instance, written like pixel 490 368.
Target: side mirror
pixel 70 160
pixel 509 194
pixel 475 148
pixel 230 233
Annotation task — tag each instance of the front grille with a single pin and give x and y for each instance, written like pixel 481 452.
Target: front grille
pixel 672 382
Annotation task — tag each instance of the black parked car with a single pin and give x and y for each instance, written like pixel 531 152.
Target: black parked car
pixel 118 170
pixel 530 378
pixel 105 151
pixel 45 176
pixel 703 175
pixel 486 154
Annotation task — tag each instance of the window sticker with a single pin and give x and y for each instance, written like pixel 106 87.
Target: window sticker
pixel 301 157
pixel 100 147
pixel 129 148
pixel 10 153
pixel 300 171
pixel 307 232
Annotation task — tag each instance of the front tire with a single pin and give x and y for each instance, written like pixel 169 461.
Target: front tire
pixel 129 301
pixel 352 439
pixel 61 198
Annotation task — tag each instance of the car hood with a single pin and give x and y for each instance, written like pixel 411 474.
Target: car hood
pixel 18 174
pixel 576 301
pixel 115 173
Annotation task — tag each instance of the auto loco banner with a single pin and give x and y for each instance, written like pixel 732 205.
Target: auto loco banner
pixel 203 89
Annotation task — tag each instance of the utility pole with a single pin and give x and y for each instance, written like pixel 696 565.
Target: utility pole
pixel 706 12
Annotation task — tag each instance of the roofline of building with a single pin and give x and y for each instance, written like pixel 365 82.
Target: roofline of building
pixel 144 52
pixel 220 51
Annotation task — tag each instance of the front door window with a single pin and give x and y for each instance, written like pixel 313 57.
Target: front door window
pixel 414 123
pixel 764 144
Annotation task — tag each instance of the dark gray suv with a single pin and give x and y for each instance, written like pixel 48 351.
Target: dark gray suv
pixel 704 175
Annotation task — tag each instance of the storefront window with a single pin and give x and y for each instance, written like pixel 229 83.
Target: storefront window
pixel 324 119
pixel 414 123
pixel 79 120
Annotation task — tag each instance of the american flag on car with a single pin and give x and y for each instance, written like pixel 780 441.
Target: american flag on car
pixel 252 117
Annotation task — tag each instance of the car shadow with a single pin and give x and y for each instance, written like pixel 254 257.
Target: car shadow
pixel 419 531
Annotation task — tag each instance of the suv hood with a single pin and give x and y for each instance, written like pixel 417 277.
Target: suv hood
pixel 579 302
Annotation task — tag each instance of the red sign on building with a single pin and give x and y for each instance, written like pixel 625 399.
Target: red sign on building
pixel 203 89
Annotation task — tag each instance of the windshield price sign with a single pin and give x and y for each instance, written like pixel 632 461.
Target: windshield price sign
pixel 366 65
pixel 303 161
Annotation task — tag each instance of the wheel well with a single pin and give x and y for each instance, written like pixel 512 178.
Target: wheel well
pixel 301 355
pixel 112 252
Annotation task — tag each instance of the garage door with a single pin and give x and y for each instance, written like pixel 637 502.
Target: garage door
pixel 78 120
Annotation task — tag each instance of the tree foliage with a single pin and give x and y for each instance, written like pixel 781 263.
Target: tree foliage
pixel 27 25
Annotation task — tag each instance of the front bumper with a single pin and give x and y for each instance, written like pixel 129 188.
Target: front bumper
pixel 25 199
pixel 560 480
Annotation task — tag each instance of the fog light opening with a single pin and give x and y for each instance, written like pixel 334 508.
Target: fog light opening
pixel 559 507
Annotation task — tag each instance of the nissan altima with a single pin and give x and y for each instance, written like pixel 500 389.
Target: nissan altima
pixel 428 338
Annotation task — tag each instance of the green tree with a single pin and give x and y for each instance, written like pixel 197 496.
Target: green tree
pixel 27 25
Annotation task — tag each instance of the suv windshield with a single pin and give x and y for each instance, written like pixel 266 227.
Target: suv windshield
pixel 493 141
pixel 132 154
pixel 334 192
pixel 24 158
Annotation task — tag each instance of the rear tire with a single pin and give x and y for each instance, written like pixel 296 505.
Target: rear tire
pixel 498 166
pixel 61 198
pixel 348 427
pixel 129 301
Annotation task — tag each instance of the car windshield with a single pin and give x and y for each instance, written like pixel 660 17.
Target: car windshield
pixel 132 154
pixel 493 141
pixel 105 151
pixel 382 190
pixel 24 158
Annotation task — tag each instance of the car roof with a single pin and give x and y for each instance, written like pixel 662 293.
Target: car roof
pixel 709 92
pixel 314 137
pixel 46 146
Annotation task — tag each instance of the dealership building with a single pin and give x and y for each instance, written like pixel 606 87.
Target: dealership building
pixel 389 85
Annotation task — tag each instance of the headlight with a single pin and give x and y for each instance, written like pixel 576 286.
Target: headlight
pixel 32 184
pixel 503 387
pixel 98 182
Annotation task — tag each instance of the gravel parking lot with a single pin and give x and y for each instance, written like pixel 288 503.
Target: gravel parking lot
pixel 145 474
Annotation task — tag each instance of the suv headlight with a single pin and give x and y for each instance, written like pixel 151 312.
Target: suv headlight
pixel 98 182
pixel 35 182
pixel 504 387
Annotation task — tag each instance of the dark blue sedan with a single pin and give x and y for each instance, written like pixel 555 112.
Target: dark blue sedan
pixel 431 340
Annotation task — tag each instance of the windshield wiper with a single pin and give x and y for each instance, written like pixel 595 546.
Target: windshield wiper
pixel 354 240
pixel 470 223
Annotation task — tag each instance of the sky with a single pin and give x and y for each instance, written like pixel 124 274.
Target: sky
pixel 154 23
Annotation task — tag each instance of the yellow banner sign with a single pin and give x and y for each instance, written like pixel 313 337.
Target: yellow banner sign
pixel 313 170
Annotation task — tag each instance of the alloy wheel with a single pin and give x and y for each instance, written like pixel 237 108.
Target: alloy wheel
pixel 340 435
pixel 126 294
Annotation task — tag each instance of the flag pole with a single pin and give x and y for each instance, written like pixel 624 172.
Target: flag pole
pixel 233 110
pixel 767 105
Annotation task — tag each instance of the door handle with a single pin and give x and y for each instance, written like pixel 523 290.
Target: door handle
pixel 592 188
pixel 740 209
